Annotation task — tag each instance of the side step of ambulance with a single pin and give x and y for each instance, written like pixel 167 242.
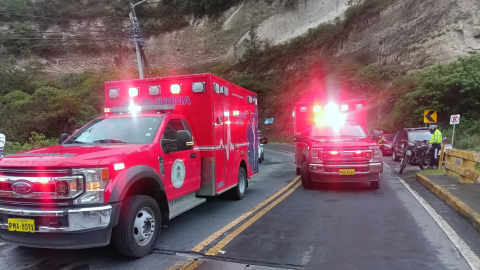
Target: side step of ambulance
pixel 183 204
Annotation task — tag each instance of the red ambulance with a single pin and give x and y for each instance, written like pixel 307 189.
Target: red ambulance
pixel 332 146
pixel 163 145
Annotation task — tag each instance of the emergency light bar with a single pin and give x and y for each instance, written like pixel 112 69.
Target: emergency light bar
pixel 141 108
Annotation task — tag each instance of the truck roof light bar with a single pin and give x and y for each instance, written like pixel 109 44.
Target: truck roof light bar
pixel 142 108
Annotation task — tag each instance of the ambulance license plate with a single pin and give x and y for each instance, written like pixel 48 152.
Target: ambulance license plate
pixel 21 225
pixel 347 171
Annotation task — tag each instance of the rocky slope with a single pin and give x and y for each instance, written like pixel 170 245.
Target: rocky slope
pixel 405 36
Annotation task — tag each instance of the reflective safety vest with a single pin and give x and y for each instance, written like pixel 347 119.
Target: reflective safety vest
pixel 380 142
pixel 436 138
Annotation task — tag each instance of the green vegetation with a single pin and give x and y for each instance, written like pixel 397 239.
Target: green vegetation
pixel 35 141
pixel 432 172
pixel 46 107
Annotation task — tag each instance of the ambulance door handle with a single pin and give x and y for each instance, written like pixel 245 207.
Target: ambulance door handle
pixel 193 155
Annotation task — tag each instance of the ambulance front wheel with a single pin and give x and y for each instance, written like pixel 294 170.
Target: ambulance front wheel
pixel 239 191
pixel 138 227
pixel 306 177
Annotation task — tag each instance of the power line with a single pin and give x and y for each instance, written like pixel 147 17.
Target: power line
pixel 73 38
pixel 43 17
pixel 89 16
pixel 66 31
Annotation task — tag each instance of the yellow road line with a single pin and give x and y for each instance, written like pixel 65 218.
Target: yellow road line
pixel 185 265
pixel 191 265
pixel 218 247
pixel 232 224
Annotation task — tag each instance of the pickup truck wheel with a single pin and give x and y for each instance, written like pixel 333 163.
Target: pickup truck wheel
pixel 138 227
pixel 307 182
pixel 375 184
pixel 239 191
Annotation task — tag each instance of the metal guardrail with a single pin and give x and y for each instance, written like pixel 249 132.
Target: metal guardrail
pixel 466 169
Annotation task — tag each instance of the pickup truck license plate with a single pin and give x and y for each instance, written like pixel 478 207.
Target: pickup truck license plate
pixel 409 152
pixel 21 225
pixel 347 171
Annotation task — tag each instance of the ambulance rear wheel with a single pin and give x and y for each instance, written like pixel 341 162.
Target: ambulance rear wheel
pixel 299 171
pixel 239 191
pixel 138 226
pixel 307 182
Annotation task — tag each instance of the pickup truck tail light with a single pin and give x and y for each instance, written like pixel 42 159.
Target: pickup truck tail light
pixel 376 154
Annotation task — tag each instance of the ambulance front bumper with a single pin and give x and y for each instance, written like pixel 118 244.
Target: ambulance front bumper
pixel 66 228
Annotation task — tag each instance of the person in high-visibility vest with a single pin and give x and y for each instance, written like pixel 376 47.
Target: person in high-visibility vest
pixel 382 140
pixel 2 144
pixel 436 142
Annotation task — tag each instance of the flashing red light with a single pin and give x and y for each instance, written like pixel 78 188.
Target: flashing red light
pixel 175 89
pixel 358 152
pixel 334 152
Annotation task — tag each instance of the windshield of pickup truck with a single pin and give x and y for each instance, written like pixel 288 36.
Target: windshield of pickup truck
pixel 419 136
pixel 127 130
pixel 346 130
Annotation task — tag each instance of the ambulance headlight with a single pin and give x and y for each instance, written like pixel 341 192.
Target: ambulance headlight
pixel 133 92
pixel 113 93
pixel 96 180
pixel 176 88
pixel 155 90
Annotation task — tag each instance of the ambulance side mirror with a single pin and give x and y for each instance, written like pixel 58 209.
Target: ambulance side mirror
pixel 184 140
pixel 63 137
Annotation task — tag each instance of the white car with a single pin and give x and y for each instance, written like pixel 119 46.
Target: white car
pixel 260 153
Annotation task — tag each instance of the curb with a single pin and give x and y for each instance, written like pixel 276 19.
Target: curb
pixel 459 206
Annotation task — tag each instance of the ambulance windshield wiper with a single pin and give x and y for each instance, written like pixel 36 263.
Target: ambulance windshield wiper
pixel 108 141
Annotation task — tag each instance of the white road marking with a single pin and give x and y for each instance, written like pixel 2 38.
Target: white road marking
pixel 307 256
pixel 464 249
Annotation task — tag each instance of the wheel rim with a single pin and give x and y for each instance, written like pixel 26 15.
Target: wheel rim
pixel 144 226
pixel 241 183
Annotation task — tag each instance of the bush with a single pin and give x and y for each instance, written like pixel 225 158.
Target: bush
pixel 36 140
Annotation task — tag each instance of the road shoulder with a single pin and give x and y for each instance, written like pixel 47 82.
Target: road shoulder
pixel 462 198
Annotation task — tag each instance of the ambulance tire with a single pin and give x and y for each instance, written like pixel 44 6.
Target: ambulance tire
pixel 299 171
pixel 238 192
pixel 307 182
pixel 123 235
pixel 375 184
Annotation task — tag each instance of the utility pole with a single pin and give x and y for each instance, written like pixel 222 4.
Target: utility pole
pixel 136 27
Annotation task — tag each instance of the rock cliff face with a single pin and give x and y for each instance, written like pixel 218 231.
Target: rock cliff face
pixel 410 34
pixel 405 36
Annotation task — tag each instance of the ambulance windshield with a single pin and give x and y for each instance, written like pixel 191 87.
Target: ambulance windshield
pixel 345 130
pixel 125 130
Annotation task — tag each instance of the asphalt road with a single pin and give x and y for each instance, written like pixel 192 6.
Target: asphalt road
pixel 330 227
